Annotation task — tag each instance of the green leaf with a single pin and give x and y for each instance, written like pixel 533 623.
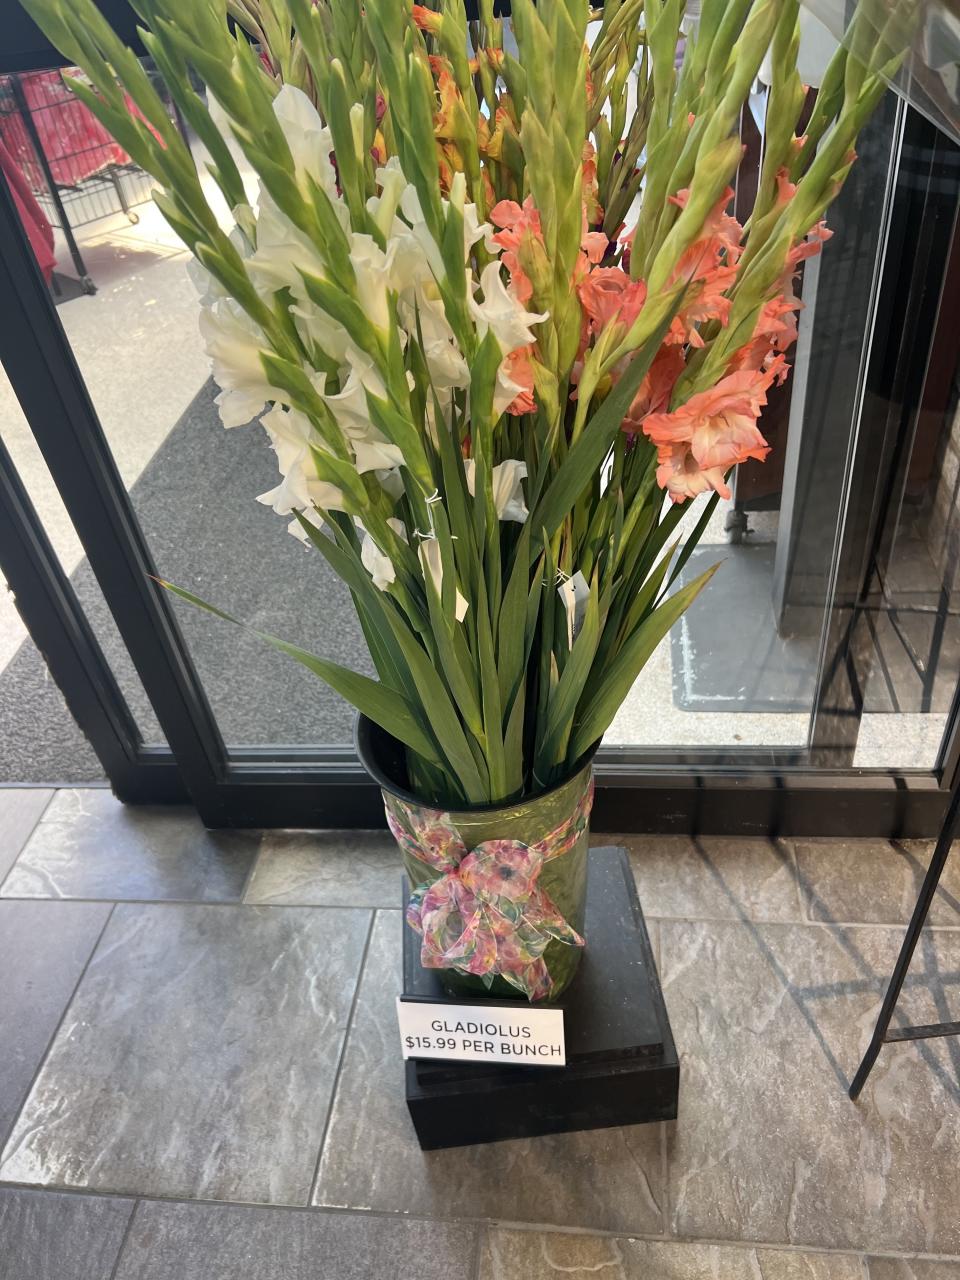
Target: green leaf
pixel 563 701
pixel 580 467
pixel 399 430
pixel 511 626
pixel 513 742
pixel 457 680
pixel 441 713
pixel 694 537
pixel 384 706
pixel 593 722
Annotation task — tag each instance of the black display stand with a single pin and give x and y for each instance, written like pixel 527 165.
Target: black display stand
pixel 882 1033
pixel 622 1064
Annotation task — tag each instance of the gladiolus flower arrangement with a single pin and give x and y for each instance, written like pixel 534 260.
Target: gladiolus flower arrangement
pixel 495 314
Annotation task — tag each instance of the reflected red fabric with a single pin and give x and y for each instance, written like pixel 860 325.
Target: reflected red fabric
pixel 35 223
pixel 75 142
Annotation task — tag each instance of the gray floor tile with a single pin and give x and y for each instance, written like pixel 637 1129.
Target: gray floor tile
pixel 198 1056
pixel 216 1242
pixel 912 1269
pixel 874 881
pixel 327 868
pixel 609 1179
pixel 20 810
pixel 771 1021
pixel 45 1236
pixel 89 845
pixel 712 878
pixel 43 948
pixel 534 1255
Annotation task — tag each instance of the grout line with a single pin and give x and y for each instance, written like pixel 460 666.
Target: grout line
pixel 486 1224
pixel 248 878
pixel 483 1232
pixel 342 1056
pixel 650 916
pixel 799 884
pixel 115 1270
pixel 665 1175
pixel 93 784
pixel 53 1037
pixel 201 902
pixel 28 837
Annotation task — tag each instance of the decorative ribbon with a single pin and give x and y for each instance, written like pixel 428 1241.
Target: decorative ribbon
pixel 486 914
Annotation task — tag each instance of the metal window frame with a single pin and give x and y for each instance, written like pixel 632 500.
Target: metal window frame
pixel 321 787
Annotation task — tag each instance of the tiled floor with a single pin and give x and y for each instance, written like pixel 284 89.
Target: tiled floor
pixel 199 1077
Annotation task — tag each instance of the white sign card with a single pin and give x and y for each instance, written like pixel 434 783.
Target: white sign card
pixel 520 1035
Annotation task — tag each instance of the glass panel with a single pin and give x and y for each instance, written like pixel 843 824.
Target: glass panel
pixel 193 484
pixel 743 677
pixel 741 669
pixel 774 660
pixel 40 741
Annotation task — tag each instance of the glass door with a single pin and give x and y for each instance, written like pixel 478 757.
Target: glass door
pixel 811 689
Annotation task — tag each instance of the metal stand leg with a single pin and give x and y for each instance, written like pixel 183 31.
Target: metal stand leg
pixel 882 1034
pixel 28 123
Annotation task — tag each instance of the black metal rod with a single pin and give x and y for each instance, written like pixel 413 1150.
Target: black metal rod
pixel 925 1031
pixel 927 891
pixel 23 106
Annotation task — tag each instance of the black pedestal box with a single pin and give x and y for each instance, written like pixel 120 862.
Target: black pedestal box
pixel 621 1060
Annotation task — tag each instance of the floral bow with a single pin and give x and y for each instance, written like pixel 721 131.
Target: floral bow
pixel 486 914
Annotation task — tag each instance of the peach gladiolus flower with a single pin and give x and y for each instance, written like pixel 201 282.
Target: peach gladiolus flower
pixel 608 294
pixel 682 476
pixel 709 267
pixel 808 248
pixel 775 331
pixel 720 241
pixel 520 237
pixel 451 103
pixel 518 369
pixel 720 424
pixel 591 193
pixel 524 254
pixel 426 19
pixel 655 389
pixel 706 300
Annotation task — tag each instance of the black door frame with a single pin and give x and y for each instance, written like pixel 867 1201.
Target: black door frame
pixel 317 787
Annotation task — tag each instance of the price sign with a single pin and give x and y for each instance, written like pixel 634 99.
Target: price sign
pixel 520 1035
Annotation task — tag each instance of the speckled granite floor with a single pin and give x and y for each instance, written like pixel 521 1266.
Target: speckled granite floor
pixel 198 1080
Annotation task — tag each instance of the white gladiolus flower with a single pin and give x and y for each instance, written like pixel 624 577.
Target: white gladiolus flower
pixel 307 137
pixel 413 213
pixel 376 562
pixel 246 225
pixel 282 250
pixel 446 364
pixel 234 344
pixel 391 482
pixel 208 287
pixel 321 330
pixel 372 451
pixel 507 488
pixel 411 270
pixel 432 564
pixel 371 266
pixel 300 489
pixel 473 228
pixel 391 181
pixel 502 313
